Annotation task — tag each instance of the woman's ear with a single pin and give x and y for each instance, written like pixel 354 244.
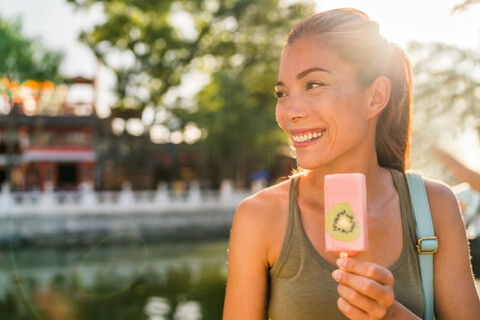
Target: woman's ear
pixel 379 96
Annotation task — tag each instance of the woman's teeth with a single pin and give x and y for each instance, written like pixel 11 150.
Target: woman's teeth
pixel 308 136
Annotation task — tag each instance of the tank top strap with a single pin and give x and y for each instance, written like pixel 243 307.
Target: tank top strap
pixel 294 219
pixel 292 198
pixel 408 222
pixel 292 224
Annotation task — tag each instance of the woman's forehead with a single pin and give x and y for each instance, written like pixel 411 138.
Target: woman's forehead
pixel 305 54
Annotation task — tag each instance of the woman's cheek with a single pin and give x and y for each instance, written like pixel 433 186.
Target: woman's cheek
pixel 279 115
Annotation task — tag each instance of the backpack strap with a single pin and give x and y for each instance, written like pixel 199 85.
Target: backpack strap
pixel 427 243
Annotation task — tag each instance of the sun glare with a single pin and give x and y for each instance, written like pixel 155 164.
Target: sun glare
pixel 424 21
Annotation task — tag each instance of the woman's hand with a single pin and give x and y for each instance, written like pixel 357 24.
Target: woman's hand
pixel 365 289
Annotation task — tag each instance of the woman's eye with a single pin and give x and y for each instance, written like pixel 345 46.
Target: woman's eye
pixel 279 94
pixel 314 84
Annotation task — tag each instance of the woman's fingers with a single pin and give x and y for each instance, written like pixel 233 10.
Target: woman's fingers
pixel 352 301
pixel 366 269
pixel 383 294
pixel 364 287
pixel 351 311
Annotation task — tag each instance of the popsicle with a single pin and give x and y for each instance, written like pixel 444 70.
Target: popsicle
pixel 346 214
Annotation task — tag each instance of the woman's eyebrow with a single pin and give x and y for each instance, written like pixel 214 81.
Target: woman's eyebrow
pixel 304 73
pixel 314 69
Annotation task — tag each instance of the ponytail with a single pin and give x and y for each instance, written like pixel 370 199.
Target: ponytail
pixel 393 126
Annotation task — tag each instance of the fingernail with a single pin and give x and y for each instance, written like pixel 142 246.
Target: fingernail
pixel 342 263
pixel 336 275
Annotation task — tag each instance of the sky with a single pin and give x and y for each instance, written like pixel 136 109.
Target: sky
pixel 421 20
pixel 57 24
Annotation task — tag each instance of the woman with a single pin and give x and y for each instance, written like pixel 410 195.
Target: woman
pixel 344 97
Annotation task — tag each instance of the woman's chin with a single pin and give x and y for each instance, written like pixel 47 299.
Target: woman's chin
pixel 309 164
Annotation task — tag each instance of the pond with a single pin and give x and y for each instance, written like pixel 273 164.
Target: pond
pixel 121 277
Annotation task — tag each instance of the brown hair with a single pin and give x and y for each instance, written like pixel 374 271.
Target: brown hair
pixel 357 41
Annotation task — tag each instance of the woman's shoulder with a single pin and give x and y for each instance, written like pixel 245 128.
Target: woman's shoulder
pixel 443 205
pixel 266 203
pixel 439 193
pixel 264 211
pixel 260 219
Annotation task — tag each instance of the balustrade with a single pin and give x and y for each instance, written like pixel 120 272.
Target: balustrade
pixel 86 200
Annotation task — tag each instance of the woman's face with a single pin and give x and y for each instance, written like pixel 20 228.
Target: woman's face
pixel 321 107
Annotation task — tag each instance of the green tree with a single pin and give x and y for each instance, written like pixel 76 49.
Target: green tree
pixel 23 58
pixel 151 45
pixel 237 107
pixel 237 44
pixel 446 92
pixel 238 111
pixel 446 97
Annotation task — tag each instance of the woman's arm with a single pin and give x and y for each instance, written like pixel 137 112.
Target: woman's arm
pixel 247 264
pixel 454 287
pixel 461 171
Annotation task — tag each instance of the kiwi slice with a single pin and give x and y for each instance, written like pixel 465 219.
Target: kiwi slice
pixel 341 223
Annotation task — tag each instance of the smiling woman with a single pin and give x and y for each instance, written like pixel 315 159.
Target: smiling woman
pixel 328 96
pixel 344 101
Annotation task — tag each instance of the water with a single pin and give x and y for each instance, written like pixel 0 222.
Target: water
pixel 121 277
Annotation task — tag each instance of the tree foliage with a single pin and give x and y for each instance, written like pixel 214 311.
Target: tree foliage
pixel 154 46
pixel 22 58
pixel 238 111
pixel 446 97
pixel 447 80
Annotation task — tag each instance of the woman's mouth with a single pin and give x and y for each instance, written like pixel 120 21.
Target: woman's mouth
pixel 308 136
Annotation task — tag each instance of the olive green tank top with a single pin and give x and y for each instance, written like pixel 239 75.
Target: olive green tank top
pixel 301 284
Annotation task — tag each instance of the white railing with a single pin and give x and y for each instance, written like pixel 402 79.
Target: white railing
pixel 88 201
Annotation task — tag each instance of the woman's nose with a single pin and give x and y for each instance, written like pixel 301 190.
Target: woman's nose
pixel 295 108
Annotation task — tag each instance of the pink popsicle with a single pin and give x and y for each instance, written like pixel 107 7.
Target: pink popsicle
pixel 346 194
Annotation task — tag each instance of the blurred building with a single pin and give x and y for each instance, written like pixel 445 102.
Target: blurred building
pixel 137 159
pixel 47 141
pixel 44 139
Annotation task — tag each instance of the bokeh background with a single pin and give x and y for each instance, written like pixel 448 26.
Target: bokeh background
pixel 130 130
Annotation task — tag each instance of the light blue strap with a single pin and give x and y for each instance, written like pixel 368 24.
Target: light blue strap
pixel 427 242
